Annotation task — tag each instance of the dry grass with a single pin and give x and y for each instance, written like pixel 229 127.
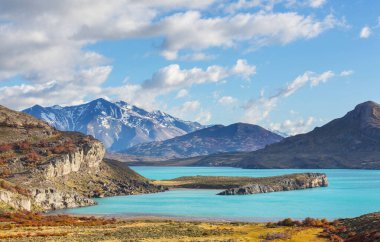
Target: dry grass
pixel 36 227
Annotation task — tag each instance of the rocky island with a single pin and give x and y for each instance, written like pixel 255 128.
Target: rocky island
pixel 249 185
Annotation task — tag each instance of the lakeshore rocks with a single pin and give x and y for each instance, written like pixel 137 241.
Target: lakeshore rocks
pixel 303 181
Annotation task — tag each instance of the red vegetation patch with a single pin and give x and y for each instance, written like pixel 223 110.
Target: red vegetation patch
pixel 29 219
pixel 6 147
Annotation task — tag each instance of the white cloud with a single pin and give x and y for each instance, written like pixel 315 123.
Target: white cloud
pixel 346 73
pixel 203 117
pixel 192 110
pixel 189 30
pixel 259 109
pixel 227 100
pixel 316 80
pixel 317 3
pixel 293 127
pixel 190 106
pixel 244 69
pixel 173 77
pixel 182 93
pixel 365 32
pixel 46 42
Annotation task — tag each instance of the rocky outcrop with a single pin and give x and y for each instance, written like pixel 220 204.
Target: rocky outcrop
pixel 46 169
pixel 52 199
pixel 15 200
pixel 87 159
pixel 307 180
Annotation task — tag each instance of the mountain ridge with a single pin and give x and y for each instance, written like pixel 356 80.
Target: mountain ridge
pixel 352 142
pixel 214 139
pixel 118 125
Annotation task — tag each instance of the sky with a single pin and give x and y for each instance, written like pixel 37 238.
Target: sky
pixel 287 65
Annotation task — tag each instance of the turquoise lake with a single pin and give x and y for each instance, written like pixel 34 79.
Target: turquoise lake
pixel 350 193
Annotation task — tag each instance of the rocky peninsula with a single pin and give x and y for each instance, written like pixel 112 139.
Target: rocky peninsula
pixel 249 185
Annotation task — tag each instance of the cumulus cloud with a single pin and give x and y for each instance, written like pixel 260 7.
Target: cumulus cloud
pixel 227 100
pixel 244 69
pixel 44 44
pixel 173 77
pixel 293 127
pixel 259 109
pixel 365 32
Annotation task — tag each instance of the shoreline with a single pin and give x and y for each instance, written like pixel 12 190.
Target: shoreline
pixel 180 218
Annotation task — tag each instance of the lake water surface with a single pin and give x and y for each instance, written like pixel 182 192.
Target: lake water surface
pixel 350 193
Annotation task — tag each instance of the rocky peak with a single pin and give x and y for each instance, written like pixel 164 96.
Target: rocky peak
pixel 367 113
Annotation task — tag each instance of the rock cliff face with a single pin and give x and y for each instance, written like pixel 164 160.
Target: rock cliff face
pixel 87 159
pixel 16 200
pixel 307 180
pixel 45 169
pixel 52 199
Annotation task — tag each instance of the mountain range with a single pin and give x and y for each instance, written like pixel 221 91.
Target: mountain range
pixel 118 125
pixel 215 139
pixel 352 141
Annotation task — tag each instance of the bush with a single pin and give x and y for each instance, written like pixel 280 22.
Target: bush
pixel 275 236
pixel 33 157
pixel 24 145
pixel 5 147
pixel 59 149
pixel 5 172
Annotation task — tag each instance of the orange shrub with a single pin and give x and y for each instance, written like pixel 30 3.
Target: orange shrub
pixel 33 157
pixel 59 149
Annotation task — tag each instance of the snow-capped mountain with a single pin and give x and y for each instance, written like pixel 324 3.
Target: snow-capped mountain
pixel 118 125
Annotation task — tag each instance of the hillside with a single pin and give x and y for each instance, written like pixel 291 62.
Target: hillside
pixel 118 125
pixel 42 168
pixel 215 139
pixel 352 141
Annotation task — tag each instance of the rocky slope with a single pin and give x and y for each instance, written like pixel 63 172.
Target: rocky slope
pixel 215 139
pixel 249 185
pixel 352 141
pixel 42 168
pixel 118 125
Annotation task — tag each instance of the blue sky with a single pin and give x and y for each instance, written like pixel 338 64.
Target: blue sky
pixel 283 64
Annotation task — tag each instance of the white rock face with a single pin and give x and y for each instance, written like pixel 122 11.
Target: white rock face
pixel 15 200
pixel 52 199
pixel 86 159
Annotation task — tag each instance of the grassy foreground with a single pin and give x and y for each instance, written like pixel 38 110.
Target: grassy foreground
pixel 26 226
pixel 35 227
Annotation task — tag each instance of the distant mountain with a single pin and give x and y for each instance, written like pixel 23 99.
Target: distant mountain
pixel 215 139
pixel 118 125
pixel 352 141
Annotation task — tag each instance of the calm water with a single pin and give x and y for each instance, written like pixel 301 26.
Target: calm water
pixel 350 193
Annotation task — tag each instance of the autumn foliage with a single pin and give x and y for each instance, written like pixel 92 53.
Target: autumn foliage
pixel 29 219
pixel 5 147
